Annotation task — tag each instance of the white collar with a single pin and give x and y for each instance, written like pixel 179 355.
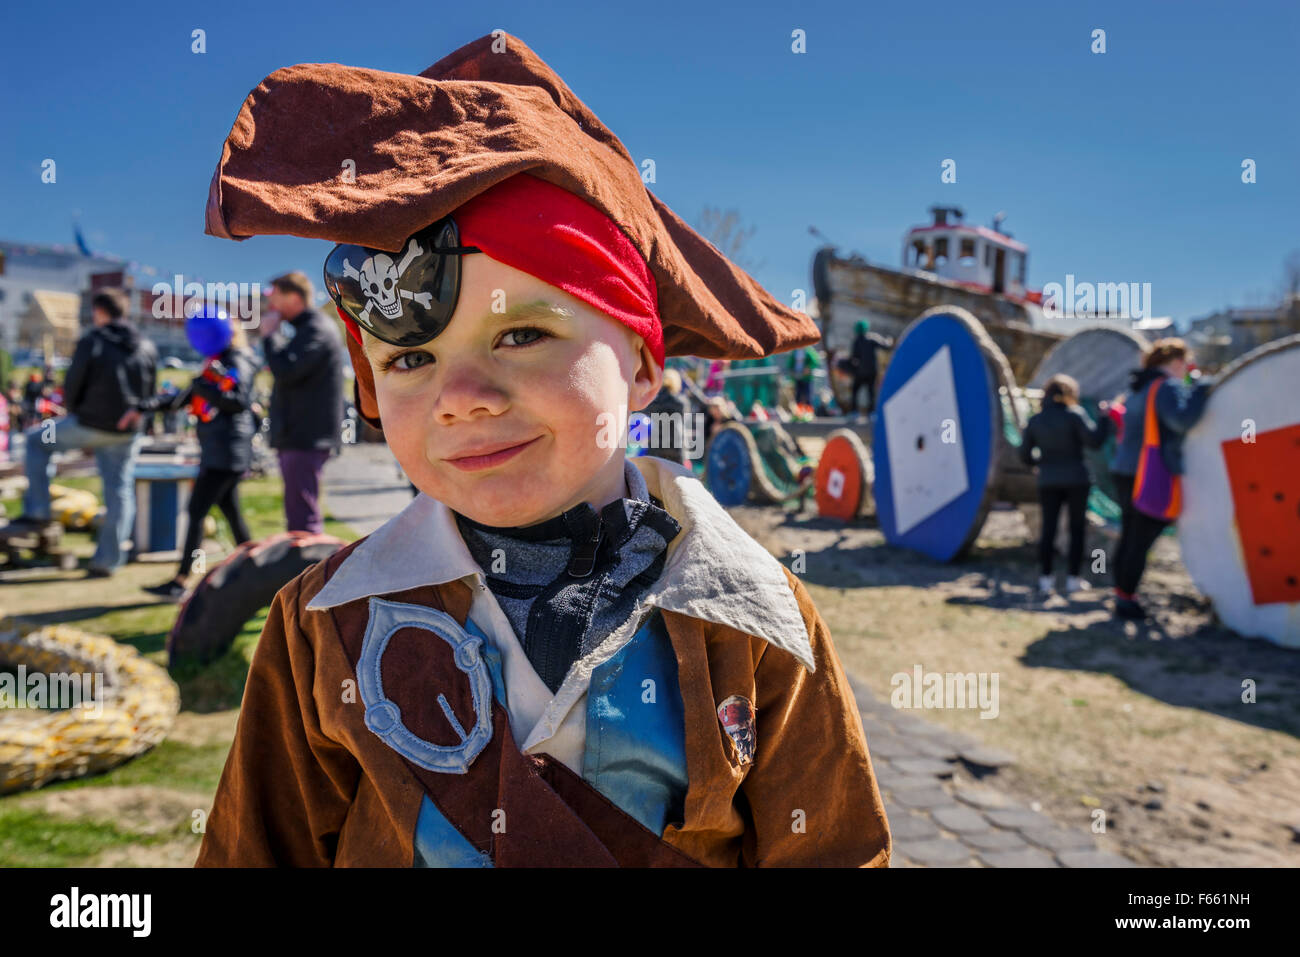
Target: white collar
pixel 714 570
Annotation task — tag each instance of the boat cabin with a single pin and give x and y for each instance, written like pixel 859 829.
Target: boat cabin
pixel 984 259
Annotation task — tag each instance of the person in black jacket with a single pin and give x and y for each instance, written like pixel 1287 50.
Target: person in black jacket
pixel 1060 432
pixel 306 356
pixel 225 448
pixel 863 365
pixel 113 368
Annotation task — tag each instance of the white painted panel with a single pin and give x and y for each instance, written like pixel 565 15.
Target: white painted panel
pixel 926 472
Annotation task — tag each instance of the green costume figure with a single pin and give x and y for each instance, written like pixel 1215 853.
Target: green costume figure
pixel 745 390
pixel 800 364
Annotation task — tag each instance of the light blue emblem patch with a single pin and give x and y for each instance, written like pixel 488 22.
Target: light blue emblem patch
pixel 384 718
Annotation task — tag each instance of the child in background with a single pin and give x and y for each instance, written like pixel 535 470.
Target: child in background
pixel 1061 431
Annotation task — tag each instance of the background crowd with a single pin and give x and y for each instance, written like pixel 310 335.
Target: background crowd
pixel 110 398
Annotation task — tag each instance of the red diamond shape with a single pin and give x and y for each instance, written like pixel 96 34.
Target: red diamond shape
pixel 1265 479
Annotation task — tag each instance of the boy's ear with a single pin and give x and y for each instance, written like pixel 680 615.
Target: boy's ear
pixel 648 378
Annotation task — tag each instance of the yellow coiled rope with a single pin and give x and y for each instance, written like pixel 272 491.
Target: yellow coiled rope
pixel 135 710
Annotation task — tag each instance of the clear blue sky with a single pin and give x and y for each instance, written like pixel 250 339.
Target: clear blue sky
pixel 1118 167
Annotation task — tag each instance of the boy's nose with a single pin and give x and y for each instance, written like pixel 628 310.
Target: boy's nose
pixel 466 393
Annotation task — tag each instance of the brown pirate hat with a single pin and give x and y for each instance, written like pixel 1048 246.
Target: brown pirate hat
pixel 351 155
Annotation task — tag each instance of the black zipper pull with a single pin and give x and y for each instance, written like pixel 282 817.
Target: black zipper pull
pixel 584 556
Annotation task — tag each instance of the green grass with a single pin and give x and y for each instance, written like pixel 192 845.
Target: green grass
pixel 218 685
pixel 31 838
pixel 144 628
pixel 170 764
pixel 261 500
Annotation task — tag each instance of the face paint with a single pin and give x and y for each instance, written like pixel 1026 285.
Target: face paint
pixel 406 298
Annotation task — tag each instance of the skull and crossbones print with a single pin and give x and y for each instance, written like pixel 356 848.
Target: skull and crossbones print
pixel 379 279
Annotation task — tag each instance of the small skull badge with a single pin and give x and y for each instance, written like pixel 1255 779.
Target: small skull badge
pixel 379 279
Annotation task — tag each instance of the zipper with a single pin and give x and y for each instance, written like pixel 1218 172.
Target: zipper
pixel 584 556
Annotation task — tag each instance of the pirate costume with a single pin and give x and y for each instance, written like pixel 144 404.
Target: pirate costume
pixel 637 685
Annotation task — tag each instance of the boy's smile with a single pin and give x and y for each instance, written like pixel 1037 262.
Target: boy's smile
pixel 482 458
pixel 499 416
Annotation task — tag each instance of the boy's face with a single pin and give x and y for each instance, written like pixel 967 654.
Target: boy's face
pixel 540 385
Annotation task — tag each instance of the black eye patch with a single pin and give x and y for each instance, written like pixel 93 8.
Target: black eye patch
pixel 405 298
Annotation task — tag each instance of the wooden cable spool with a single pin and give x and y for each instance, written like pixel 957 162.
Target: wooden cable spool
pixel 1239 531
pixel 769 468
pixel 844 478
pixel 1099 358
pixel 729 464
pixel 940 441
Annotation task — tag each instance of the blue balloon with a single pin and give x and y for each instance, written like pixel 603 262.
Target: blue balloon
pixel 209 331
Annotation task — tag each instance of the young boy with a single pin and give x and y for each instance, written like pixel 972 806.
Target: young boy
pixel 555 655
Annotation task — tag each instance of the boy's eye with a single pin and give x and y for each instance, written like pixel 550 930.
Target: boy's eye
pixel 524 336
pixel 406 361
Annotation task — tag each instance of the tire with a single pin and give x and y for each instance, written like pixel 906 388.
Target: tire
pixel 237 588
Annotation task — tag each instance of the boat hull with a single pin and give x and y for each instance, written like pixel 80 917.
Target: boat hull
pixel 853 289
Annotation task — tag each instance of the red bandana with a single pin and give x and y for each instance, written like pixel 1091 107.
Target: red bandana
pixel 548 232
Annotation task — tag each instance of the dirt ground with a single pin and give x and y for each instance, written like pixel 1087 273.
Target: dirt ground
pixel 1146 722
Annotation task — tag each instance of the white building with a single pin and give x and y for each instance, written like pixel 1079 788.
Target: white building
pixel 28 268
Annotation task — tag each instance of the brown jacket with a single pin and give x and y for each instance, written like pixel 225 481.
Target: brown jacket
pixel 307 783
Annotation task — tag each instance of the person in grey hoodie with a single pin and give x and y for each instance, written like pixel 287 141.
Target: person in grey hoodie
pixel 1060 432
pixel 1179 406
